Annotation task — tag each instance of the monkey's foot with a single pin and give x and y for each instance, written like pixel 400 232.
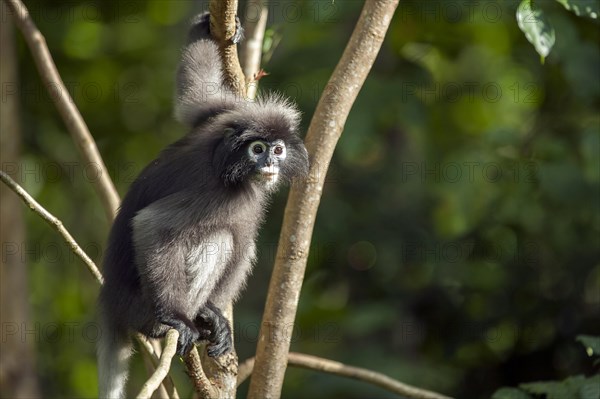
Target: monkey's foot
pixel 239 32
pixel 219 337
pixel 188 333
pixel 201 28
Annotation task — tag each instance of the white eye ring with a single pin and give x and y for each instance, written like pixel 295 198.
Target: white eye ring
pixel 278 149
pixel 256 148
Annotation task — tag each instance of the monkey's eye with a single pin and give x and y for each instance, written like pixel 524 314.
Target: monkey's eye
pixel 257 147
pixel 278 150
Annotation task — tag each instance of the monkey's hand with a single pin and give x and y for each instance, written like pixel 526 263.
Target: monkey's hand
pixel 201 28
pixel 211 320
pixel 188 333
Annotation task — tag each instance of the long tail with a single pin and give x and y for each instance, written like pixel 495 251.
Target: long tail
pixel 114 351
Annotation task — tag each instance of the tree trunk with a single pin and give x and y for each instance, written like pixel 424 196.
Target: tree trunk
pixel 18 378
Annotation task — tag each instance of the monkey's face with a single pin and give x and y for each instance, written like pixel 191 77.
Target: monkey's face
pixel 266 157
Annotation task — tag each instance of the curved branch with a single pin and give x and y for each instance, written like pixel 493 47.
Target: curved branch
pixel 357 373
pixel 202 385
pixel 162 370
pixel 150 353
pixel 65 105
pixel 54 222
pixel 300 213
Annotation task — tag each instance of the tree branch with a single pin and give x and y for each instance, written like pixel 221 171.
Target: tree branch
pixel 66 107
pixel 202 385
pixel 162 370
pixel 251 49
pixel 222 28
pixel 300 213
pixel 214 378
pixel 54 222
pixel 337 368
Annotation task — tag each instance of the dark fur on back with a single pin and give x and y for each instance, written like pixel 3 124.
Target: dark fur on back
pixel 197 199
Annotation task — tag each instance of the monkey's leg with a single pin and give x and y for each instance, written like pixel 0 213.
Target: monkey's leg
pixel 211 319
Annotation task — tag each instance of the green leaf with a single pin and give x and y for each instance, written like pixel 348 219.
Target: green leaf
pixel 510 393
pixel 582 8
pixel 591 343
pixel 591 388
pixel 538 30
pixel 568 388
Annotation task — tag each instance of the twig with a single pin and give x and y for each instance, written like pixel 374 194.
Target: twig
pixel 251 49
pixel 300 213
pixel 154 357
pixel 245 370
pixel 65 105
pixel 150 366
pixel 358 373
pixel 162 370
pixel 54 222
pixel 76 248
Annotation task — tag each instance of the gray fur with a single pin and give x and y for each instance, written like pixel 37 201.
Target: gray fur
pixel 183 242
pixel 203 265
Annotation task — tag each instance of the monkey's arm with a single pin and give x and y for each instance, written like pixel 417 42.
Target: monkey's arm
pixel 200 89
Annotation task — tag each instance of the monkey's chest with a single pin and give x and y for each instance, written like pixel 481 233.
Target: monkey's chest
pixel 206 262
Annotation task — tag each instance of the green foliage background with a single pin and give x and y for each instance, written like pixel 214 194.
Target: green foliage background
pixel 457 242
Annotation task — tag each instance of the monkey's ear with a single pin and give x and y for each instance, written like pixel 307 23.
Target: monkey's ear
pixel 227 133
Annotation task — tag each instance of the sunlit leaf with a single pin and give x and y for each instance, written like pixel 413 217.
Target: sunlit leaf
pixel 591 343
pixel 538 30
pixel 582 8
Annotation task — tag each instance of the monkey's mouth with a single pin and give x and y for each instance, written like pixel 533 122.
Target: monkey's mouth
pixel 269 173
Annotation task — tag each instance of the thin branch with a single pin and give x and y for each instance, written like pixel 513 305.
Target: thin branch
pixel 245 370
pixel 65 105
pixel 162 370
pixel 358 373
pixel 251 49
pixel 223 26
pixel 54 222
pixel 325 129
pixel 76 248
pixel 154 357
pixel 150 366
pixel 87 147
pixel 202 385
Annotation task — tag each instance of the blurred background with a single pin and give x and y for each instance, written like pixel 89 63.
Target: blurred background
pixel 457 244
